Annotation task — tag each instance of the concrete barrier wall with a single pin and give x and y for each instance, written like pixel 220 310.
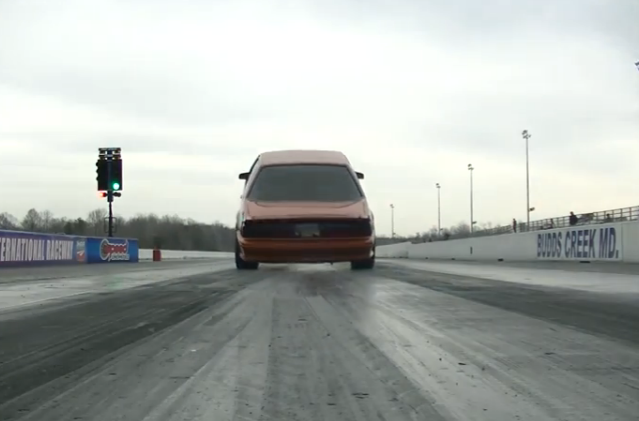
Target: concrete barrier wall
pixel 399 250
pixel 601 242
pixel 147 254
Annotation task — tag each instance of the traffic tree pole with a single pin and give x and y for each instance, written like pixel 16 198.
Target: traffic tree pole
pixel 472 217
pixel 110 197
pixel 111 160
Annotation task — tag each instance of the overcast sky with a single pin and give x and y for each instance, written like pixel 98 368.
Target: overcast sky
pixel 412 90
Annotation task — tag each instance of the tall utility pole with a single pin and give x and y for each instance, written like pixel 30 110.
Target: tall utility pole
pixel 527 136
pixel 439 210
pixel 392 220
pixel 472 218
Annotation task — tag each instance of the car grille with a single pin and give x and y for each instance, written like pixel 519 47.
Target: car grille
pixel 342 228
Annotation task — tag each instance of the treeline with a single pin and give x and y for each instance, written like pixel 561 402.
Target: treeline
pixel 175 233
pixel 167 232
pixel 461 230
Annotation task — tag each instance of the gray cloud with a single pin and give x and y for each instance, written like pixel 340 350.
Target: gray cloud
pixel 470 21
pixel 146 93
pixel 223 81
pixel 196 145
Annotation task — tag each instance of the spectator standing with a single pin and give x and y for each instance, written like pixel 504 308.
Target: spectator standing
pixel 573 219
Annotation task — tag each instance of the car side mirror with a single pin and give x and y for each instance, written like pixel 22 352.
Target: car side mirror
pixel 244 176
pixel 360 176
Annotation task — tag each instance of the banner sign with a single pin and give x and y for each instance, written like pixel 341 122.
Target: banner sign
pixel 32 249
pixel 585 243
pixel 112 250
pixel 23 249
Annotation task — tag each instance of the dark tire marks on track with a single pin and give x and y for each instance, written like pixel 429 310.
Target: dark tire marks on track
pixel 614 316
pixel 322 368
pixel 62 339
pixel 281 351
pixel 314 343
pixel 57 273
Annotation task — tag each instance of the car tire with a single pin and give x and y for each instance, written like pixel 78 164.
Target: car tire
pixel 242 264
pixel 363 264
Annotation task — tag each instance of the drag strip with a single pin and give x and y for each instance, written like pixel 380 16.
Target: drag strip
pixel 32 287
pixel 57 273
pixel 613 315
pixel 321 342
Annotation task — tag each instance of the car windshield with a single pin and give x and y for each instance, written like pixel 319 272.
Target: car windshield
pixel 308 183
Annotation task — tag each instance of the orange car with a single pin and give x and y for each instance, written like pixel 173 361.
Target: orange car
pixel 303 206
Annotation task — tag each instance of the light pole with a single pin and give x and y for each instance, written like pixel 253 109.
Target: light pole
pixel 439 210
pixel 472 220
pixel 526 136
pixel 392 220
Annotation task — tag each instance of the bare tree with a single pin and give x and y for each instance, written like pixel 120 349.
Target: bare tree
pixel 32 221
pixel 169 232
pixel 173 232
pixel 461 229
pixel 95 220
pixel 8 221
pixel 433 232
pixel 46 219
pixel 486 226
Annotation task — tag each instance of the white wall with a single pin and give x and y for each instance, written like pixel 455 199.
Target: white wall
pixel 399 250
pixel 622 245
pixel 146 254
pixel 579 243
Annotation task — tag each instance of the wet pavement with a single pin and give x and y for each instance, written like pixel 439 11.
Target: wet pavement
pixel 202 341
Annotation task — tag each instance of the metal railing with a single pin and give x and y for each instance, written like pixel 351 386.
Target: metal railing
pixel 589 218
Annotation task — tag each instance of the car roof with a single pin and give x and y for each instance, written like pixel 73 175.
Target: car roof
pixel 301 156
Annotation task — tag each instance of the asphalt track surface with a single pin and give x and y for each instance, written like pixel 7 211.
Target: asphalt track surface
pixel 202 341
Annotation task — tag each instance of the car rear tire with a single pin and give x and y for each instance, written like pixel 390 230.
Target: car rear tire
pixel 242 264
pixel 363 264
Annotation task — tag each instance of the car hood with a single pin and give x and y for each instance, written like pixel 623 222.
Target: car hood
pixel 279 210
